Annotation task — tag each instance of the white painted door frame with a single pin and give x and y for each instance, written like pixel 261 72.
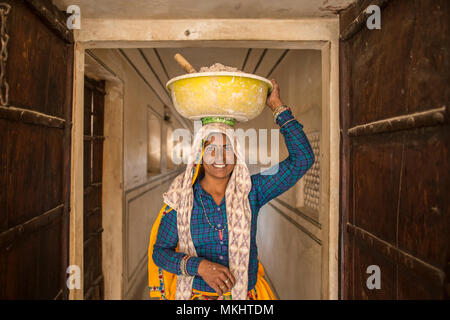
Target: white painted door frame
pixel 317 34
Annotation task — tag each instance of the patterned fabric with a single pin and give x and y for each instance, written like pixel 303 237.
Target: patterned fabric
pixel 205 239
pixel 198 295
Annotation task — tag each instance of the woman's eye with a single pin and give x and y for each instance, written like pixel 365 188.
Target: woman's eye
pixel 210 149
pixel 228 148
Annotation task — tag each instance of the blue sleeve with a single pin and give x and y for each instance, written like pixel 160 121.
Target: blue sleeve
pixel 164 254
pixel 279 178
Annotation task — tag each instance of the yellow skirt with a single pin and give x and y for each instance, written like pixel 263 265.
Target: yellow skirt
pixel 261 291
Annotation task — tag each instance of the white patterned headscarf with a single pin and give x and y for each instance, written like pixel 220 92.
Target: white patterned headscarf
pixel 180 198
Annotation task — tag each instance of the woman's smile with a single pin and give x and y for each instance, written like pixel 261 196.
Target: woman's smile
pixel 219 166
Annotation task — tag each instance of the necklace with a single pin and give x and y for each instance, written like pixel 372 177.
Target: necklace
pixel 211 225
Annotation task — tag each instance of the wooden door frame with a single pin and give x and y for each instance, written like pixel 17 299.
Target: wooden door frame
pixel 316 34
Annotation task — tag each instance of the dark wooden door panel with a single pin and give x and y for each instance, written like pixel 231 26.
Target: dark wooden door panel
pixel 21 262
pixel 395 141
pixel 424 200
pixel 35 163
pixel 35 49
pixel 412 286
pixel 376 165
pixel 401 68
pixel 35 135
pixel 51 245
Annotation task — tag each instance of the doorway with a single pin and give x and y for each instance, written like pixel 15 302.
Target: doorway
pixel 311 35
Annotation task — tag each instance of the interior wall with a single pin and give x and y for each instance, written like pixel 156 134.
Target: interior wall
pixel 289 236
pixel 142 206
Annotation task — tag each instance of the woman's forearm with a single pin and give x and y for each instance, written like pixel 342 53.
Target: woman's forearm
pixel 169 260
pixel 283 176
pixel 301 155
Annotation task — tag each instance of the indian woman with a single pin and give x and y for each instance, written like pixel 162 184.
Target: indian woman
pixel 203 243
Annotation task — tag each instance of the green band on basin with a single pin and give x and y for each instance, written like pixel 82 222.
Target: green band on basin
pixel 228 121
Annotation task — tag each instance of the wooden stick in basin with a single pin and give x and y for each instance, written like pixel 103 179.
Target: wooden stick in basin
pixel 184 63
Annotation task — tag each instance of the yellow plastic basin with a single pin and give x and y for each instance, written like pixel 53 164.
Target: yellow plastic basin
pixel 237 95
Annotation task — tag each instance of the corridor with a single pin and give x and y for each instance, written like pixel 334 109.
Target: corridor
pixel 149 169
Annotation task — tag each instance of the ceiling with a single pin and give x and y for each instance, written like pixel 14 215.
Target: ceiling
pixel 205 9
pixel 157 65
pixel 252 60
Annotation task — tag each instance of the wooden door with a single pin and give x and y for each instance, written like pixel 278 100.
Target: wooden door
pixel 35 134
pixel 395 146
pixel 94 92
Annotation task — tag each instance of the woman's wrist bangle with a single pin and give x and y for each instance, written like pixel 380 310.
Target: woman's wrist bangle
pixel 279 107
pixel 287 122
pixel 185 259
pixel 183 265
pixel 278 111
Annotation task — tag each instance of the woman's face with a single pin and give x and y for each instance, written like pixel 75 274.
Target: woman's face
pixel 218 158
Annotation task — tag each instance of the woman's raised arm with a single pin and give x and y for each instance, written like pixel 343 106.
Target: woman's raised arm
pixel 279 178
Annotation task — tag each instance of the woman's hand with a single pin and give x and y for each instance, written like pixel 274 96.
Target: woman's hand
pixel 216 276
pixel 273 100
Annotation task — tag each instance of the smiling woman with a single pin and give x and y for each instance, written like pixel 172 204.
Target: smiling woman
pixel 203 243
